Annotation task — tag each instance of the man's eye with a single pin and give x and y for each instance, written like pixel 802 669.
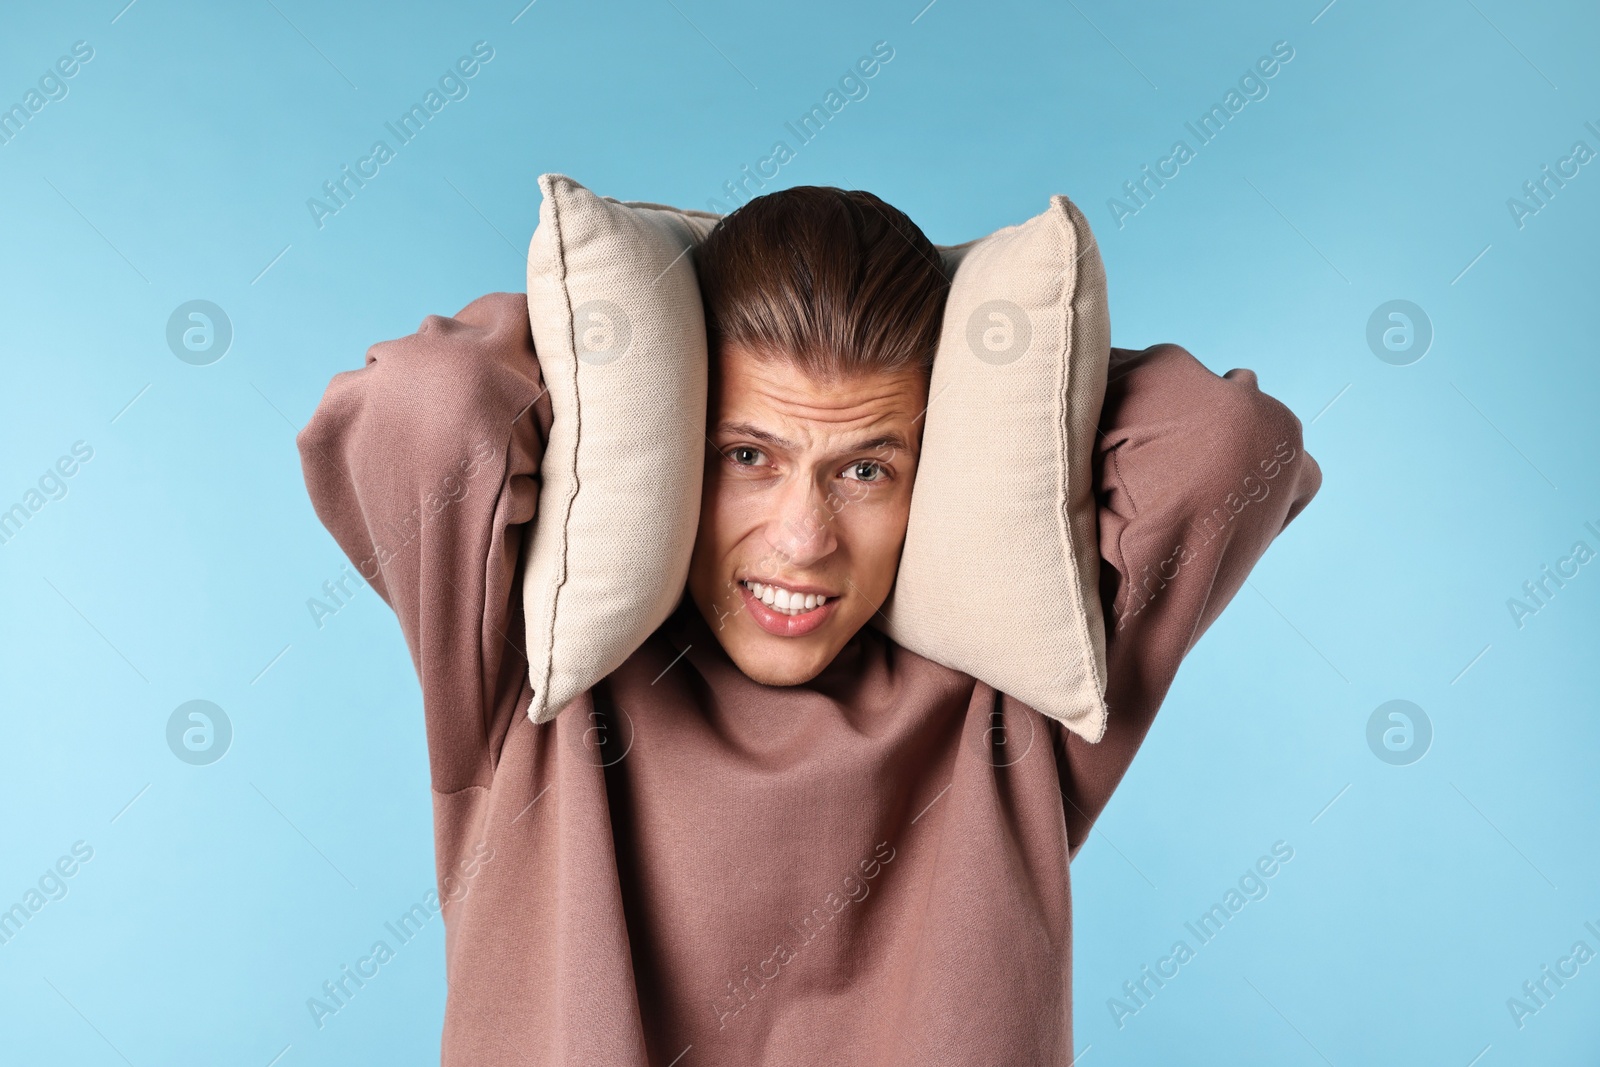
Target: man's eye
pixel 745 456
pixel 865 471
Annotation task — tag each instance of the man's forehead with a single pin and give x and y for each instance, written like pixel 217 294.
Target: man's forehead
pixel 777 403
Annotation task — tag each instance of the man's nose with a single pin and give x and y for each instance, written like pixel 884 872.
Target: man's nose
pixel 801 529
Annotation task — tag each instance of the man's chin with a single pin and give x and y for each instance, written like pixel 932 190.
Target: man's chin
pixel 760 666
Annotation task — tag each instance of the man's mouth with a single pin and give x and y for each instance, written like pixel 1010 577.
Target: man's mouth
pixel 785 612
pixel 784 601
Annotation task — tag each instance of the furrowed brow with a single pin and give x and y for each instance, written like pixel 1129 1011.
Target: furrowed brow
pixel 755 433
pixel 892 441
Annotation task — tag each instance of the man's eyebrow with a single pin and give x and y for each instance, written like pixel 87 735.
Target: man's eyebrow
pixel 755 433
pixel 891 440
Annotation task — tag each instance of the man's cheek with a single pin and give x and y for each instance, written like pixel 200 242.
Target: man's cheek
pixel 722 498
pixel 849 491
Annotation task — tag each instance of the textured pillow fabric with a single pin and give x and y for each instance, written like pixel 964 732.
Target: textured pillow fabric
pixel 617 324
pixel 999 576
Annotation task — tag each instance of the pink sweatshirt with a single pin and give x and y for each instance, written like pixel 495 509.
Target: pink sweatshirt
pixel 687 868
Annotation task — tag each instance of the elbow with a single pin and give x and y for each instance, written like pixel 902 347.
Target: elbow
pixel 1266 449
pixel 1246 446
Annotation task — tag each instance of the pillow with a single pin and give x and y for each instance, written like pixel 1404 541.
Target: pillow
pixel 999 575
pixel 618 327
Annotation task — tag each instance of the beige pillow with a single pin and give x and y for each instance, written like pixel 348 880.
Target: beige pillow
pixel 617 323
pixel 999 577
pixel 1000 573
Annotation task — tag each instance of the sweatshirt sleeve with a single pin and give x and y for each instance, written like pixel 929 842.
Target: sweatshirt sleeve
pixel 1195 475
pixel 424 465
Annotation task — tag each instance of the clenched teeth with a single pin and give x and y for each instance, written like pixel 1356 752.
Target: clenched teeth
pixel 783 601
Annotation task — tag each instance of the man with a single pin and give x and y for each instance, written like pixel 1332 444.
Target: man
pixel 772 836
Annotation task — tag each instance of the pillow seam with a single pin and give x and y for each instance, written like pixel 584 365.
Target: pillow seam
pixel 563 549
pixel 1073 278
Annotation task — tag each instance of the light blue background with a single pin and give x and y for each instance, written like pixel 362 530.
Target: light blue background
pixel 180 562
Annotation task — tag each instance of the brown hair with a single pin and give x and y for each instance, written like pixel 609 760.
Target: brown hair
pixel 835 281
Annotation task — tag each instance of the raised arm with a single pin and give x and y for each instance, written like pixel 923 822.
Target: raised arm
pixel 423 464
pixel 1195 475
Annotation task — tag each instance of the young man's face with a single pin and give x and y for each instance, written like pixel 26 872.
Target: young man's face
pixel 807 493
